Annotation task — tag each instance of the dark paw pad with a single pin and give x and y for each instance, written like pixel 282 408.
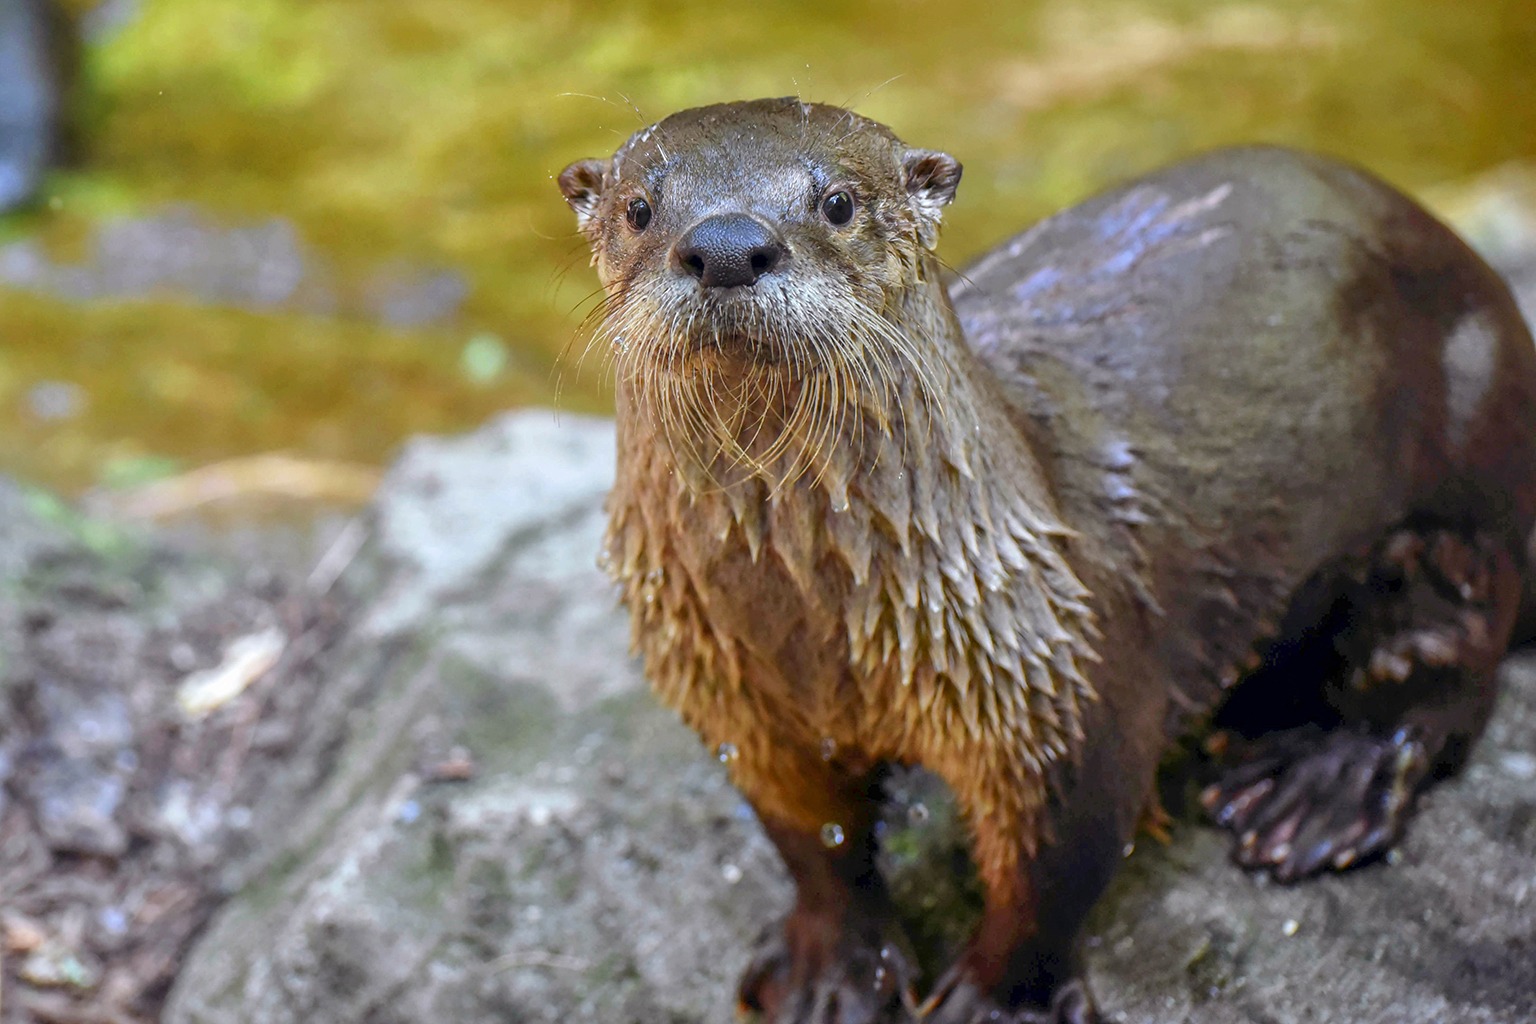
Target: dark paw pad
pixel 1304 801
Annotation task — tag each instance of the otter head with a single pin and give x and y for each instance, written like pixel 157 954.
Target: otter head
pixel 759 261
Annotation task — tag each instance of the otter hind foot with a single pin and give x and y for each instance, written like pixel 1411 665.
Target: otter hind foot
pixel 957 1001
pixel 1410 688
pixel 867 979
pixel 1307 800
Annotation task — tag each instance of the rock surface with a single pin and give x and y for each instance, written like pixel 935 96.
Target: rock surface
pixel 461 804
pixel 597 867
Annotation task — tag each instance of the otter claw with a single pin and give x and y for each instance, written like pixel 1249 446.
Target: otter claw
pixel 863 984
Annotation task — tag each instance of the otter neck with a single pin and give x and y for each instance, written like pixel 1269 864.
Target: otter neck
pixel 924 551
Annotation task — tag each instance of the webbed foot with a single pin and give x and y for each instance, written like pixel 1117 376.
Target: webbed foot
pixel 803 974
pixel 1307 800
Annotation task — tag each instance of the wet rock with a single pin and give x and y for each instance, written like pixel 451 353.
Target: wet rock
pixel 77 807
pixel 264 266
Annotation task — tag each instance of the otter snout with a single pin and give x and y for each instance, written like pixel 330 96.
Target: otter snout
pixel 729 250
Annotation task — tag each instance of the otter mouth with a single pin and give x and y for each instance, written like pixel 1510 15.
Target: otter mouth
pixel 743 331
pixel 736 347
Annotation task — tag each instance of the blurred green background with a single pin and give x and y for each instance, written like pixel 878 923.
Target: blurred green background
pixel 316 227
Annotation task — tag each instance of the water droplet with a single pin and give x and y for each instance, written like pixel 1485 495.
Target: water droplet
pixel 832 835
pixel 113 920
pixel 731 873
pixel 655 576
pixel 1291 927
pixel 917 814
pixel 1129 849
pixel 727 753
pixel 828 748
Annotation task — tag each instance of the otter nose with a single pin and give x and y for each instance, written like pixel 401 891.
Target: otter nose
pixel 729 250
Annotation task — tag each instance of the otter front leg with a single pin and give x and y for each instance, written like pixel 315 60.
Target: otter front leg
pixel 1024 963
pixel 839 957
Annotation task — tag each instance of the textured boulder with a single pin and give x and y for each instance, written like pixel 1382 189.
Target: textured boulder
pixel 597 867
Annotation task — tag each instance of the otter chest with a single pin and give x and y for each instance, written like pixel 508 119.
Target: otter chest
pixel 734 592
pixel 821 609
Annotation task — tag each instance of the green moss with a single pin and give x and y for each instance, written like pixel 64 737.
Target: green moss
pixel 104 540
pixel 507 727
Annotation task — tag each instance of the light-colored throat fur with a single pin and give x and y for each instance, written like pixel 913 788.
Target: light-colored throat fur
pixel 900 593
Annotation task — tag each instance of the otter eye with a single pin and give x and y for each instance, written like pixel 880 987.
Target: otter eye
pixel 638 214
pixel 838 208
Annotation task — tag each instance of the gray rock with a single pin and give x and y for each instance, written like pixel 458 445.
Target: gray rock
pixel 598 867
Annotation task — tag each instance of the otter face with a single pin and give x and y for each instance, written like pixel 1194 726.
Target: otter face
pixel 751 223
pixel 757 260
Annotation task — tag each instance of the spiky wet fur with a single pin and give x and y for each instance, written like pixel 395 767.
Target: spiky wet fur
pixel 827 569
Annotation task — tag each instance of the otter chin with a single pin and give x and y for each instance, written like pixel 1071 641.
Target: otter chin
pixel 1212 450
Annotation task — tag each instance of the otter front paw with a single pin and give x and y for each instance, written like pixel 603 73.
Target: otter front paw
pixel 861 979
pixel 958 1001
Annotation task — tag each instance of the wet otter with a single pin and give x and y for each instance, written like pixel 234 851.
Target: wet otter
pixel 1252 437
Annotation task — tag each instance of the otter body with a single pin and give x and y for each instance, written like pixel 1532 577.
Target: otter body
pixel 1253 438
pixel 1242 373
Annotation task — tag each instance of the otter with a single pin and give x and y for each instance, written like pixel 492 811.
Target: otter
pixel 1246 444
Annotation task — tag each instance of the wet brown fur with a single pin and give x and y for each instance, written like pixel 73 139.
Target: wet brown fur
pixel 1021 540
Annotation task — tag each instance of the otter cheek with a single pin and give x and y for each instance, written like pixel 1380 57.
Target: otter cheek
pixel 607 263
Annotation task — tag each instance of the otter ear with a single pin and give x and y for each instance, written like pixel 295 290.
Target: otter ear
pixel 582 185
pixel 931 178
